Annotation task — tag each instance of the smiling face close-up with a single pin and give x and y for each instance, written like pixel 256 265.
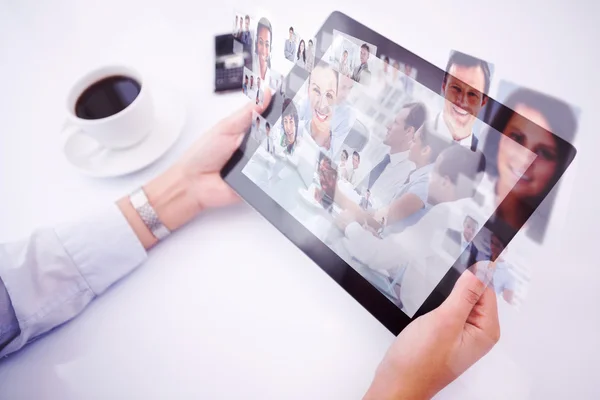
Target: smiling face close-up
pixel 523 142
pixel 322 94
pixel 263 46
pixel 463 91
pixel 289 128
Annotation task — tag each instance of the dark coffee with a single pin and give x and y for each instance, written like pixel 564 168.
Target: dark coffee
pixel 107 97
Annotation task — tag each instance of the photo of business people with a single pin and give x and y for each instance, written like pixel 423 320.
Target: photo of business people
pixel 242 32
pixel 238 26
pixel 351 57
pixel 291 44
pixel 411 196
pixel 531 123
pixel 464 90
pixel 253 86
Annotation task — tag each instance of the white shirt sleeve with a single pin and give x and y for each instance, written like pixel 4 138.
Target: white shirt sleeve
pixel 51 276
pixel 378 254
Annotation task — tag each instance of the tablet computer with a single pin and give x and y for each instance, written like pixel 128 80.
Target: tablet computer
pixel 360 162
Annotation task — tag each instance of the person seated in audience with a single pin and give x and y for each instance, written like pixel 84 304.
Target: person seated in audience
pixel 390 173
pixel 409 202
pixel 407 257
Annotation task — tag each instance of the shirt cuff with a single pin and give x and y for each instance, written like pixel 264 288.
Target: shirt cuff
pixel 103 246
pixel 353 230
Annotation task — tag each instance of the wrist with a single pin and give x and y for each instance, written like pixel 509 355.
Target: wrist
pixel 392 384
pixel 393 390
pixel 170 196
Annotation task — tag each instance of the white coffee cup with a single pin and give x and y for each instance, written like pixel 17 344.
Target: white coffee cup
pixel 124 129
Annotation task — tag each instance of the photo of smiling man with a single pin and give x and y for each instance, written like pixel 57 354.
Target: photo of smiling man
pixel 464 87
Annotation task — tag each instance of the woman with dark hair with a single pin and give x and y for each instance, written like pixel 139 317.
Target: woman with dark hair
pixel 289 124
pixel 262 49
pixel 301 55
pixel 527 159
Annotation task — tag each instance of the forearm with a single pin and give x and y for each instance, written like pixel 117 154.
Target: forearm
pixel 170 194
pixel 386 387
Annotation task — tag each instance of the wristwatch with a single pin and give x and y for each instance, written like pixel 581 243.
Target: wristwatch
pixel 140 202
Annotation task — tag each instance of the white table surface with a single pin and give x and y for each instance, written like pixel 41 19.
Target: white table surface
pixel 228 308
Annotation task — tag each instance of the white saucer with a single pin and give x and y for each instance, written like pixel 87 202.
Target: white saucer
pixel 170 117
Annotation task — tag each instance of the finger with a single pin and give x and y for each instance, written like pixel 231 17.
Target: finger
pixel 467 291
pixel 239 121
pixel 485 316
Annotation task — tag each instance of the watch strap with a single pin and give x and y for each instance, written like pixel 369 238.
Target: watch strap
pixel 140 202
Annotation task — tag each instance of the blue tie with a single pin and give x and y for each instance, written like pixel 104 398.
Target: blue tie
pixel 378 170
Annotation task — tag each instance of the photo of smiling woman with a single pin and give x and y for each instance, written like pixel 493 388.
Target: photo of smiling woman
pixel 301 55
pixel 322 96
pixel 262 49
pixel 527 158
pixel 289 125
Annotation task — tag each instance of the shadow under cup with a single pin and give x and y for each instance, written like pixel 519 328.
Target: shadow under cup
pixel 112 106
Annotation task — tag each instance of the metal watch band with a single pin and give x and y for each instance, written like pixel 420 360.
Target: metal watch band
pixel 140 202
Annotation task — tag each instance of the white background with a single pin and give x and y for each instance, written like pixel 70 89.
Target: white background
pixel 228 308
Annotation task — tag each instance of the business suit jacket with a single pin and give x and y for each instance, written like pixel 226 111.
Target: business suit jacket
pixel 456 238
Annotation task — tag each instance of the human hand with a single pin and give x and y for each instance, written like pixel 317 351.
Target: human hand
pixel 439 346
pixel 344 219
pixel 194 182
pixel 201 164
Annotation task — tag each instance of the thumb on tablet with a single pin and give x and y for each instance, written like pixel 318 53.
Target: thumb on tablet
pixel 466 293
pixel 239 121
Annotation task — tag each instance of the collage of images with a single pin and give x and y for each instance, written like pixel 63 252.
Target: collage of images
pixel 401 181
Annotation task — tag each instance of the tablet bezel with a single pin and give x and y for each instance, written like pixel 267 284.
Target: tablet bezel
pixel 347 277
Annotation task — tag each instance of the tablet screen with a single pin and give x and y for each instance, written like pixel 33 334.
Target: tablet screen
pixel 360 158
pixel 382 170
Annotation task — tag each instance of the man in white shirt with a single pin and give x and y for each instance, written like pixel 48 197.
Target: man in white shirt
pixel 269 142
pixel 391 172
pixel 361 73
pixel 352 174
pixel 414 253
pixel 464 241
pixel 260 94
pixel 465 87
